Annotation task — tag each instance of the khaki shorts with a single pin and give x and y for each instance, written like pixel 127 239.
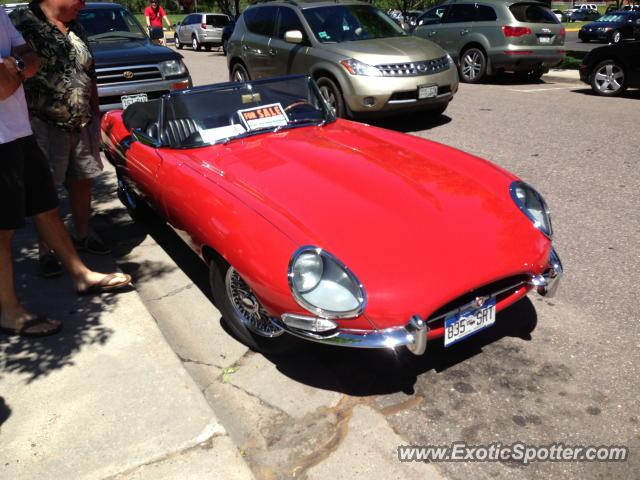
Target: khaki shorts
pixel 72 155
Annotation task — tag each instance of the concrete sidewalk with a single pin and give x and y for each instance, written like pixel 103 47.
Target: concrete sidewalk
pixel 105 398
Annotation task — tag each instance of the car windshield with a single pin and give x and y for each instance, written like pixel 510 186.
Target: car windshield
pixel 618 17
pixel 110 24
pixel 346 23
pixel 220 113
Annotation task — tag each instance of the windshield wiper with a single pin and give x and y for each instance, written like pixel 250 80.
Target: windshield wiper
pixel 128 35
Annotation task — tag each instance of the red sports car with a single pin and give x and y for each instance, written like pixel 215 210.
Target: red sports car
pixel 333 231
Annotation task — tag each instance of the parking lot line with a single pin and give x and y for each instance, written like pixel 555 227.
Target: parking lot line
pixel 534 90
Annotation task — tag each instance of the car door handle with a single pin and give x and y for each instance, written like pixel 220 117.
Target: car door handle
pixel 272 52
pixel 464 31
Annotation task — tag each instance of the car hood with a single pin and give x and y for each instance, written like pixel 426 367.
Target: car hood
pixel 387 50
pixel 419 223
pixel 601 24
pixel 110 53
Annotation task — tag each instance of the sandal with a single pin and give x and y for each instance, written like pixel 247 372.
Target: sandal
pixel 39 326
pixel 104 285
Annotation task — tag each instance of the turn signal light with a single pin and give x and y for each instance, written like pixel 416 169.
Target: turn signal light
pixel 180 85
pixel 515 31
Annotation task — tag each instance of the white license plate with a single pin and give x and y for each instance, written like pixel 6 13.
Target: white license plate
pixel 467 322
pixel 544 39
pixel 131 99
pixel 427 91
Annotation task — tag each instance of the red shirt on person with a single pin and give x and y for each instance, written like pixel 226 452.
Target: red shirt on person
pixel 155 17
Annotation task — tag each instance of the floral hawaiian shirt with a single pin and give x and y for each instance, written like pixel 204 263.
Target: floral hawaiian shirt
pixel 61 91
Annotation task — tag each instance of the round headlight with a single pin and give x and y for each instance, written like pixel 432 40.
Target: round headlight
pixel 323 285
pixel 307 271
pixel 533 206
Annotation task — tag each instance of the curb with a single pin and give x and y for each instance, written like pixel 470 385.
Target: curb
pixel 563 77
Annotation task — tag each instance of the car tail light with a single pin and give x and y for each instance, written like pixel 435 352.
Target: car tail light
pixel 518 52
pixel 515 31
pixel 563 32
pixel 204 26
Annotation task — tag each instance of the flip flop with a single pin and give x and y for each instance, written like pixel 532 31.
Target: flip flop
pixel 103 286
pixel 36 327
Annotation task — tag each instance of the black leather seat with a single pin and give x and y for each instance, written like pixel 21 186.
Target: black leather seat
pixel 144 116
pixel 176 131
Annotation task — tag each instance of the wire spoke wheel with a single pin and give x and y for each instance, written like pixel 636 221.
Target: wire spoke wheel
pixel 248 308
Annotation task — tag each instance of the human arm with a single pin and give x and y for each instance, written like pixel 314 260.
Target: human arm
pixel 146 16
pixel 11 76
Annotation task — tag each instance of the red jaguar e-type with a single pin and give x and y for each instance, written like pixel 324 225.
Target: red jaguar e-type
pixel 332 231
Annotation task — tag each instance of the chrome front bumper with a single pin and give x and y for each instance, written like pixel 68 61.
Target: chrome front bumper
pixel 413 335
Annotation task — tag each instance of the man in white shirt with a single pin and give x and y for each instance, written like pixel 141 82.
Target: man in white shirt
pixel 27 189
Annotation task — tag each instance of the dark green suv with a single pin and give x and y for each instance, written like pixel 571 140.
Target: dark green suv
pixel 489 36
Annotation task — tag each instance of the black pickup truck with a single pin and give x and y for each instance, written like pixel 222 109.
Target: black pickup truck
pixel 130 68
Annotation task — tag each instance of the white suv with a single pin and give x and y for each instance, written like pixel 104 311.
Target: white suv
pixel 201 30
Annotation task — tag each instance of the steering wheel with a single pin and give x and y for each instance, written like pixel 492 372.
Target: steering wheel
pixel 299 103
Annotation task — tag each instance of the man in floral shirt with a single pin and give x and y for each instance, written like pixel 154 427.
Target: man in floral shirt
pixel 63 102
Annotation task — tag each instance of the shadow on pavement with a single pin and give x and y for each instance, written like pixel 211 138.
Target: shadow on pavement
pixel 412 122
pixel 5 411
pixel 373 372
pixel 633 94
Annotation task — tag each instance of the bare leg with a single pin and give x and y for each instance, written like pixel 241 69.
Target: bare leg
pixel 52 231
pixel 9 303
pixel 80 201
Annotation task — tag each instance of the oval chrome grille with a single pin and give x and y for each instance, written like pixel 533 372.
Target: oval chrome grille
pixel 427 67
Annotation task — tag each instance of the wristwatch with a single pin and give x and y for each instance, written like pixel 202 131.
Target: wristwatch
pixel 19 63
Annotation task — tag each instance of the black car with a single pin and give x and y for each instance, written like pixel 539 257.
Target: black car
pixel 129 67
pixel 611 69
pixel 226 35
pixel 612 27
pixel 583 16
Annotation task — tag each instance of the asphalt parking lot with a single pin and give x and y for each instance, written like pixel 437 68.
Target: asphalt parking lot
pixel 551 371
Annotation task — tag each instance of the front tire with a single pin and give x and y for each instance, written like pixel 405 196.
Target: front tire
pixel 176 40
pixel 616 36
pixel 239 73
pixel 195 44
pixel 473 65
pixel 332 95
pixel 608 79
pixel 243 313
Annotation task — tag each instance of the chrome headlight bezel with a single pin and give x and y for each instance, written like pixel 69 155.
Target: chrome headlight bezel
pixel 360 294
pixel 545 226
pixel 172 68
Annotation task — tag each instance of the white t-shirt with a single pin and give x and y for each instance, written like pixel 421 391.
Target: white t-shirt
pixel 14 117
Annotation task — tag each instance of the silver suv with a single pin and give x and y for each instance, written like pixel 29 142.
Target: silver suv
pixel 362 61
pixel 488 36
pixel 201 30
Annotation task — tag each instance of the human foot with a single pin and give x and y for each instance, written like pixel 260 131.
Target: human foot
pixel 100 283
pixel 26 324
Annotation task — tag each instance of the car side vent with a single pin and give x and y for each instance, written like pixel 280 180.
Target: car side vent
pixel 133 73
pixel 428 67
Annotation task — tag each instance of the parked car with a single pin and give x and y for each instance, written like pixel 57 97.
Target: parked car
pixel 10 7
pixel 494 35
pixel 201 30
pixel 363 62
pixel 329 230
pixel 129 67
pixel 560 15
pixel 611 69
pixel 583 16
pixel 612 27
pixel 227 31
